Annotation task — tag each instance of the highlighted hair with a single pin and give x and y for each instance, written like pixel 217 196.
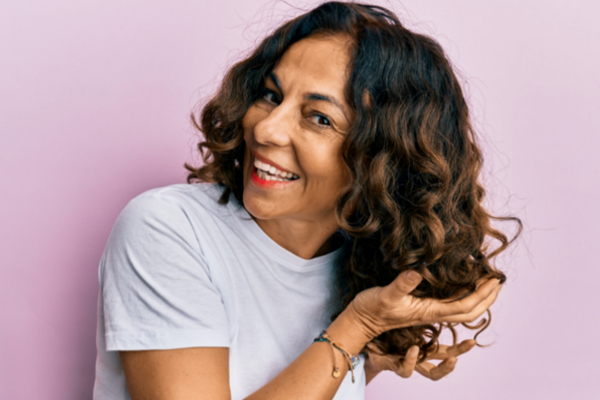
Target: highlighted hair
pixel 411 152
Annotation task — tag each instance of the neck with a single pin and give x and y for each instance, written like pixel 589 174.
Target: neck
pixel 305 238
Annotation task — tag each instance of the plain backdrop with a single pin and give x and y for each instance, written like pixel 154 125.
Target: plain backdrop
pixel 94 104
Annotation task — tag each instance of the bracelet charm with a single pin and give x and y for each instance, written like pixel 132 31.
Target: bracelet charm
pixel 352 361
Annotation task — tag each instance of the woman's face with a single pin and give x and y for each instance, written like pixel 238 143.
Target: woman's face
pixel 295 131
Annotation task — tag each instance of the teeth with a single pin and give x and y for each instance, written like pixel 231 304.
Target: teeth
pixel 270 173
pixel 264 175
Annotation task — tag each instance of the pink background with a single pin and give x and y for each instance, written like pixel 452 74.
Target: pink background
pixel 94 103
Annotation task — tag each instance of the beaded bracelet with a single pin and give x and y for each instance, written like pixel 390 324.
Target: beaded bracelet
pixel 352 360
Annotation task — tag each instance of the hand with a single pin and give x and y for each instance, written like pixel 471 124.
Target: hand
pixel 380 309
pixel 377 362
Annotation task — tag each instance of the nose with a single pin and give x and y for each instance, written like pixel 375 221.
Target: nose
pixel 276 128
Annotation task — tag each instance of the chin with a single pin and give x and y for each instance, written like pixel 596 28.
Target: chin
pixel 259 208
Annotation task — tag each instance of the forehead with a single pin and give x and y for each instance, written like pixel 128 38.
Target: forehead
pixel 318 62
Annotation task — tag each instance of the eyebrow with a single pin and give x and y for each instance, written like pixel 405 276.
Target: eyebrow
pixel 310 96
pixel 275 80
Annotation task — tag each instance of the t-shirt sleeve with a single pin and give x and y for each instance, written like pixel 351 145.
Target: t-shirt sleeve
pixel 156 287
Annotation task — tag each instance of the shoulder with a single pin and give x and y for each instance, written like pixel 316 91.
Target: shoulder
pixel 205 195
pixel 163 229
pixel 169 202
pixel 171 210
pixel 156 283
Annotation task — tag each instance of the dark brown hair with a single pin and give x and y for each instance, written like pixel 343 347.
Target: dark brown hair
pixel 411 153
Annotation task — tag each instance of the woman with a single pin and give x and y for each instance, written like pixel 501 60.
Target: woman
pixel 342 196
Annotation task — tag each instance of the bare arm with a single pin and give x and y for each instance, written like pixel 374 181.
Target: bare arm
pixel 194 373
pixel 180 374
pixel 203 372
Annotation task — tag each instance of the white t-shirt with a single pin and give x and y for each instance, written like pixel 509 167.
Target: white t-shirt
pixel 180 270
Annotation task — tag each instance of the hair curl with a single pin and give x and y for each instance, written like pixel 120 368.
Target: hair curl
pixel 411 152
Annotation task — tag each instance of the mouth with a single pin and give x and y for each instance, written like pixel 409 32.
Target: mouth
pixel 269 172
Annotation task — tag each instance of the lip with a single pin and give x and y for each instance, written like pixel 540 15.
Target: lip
pixel 256 180
pixel 263 183
pixel 267 161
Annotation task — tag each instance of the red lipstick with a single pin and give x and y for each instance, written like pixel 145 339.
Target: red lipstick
pixel 263 183
pixel 267 161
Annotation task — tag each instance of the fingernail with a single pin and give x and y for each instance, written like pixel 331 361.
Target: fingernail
pixel 413 277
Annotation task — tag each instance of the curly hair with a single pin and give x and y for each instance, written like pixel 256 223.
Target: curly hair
pixel 411 152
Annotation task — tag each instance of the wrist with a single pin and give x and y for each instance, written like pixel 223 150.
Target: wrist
pixel 349 332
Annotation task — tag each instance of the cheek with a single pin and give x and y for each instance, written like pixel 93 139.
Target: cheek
pixel 248 123
pixel 253 116
pixel 327 168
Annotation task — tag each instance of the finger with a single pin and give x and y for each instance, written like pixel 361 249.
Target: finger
pixel 404 283
pixel 407 366
pixel 466 305
pixel 434 372
pixel 463 292
pixel 477 311
pixel 444 352
pixel 486 294
pixel 480 282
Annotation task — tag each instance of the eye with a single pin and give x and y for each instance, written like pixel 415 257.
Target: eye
pixel 321 120
pixel 269 96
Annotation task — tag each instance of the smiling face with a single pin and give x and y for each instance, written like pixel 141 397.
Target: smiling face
pixel 295 130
